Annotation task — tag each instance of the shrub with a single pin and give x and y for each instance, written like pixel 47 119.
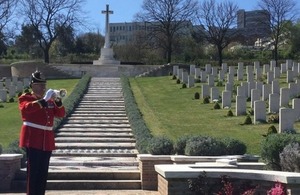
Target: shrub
pixel 273 145
pixel 251 112
pixel 290 158
pixel 217 106
pixel 183 85
pixel 140 130
pixel 1 106
pixel 160 146
pixel 271 130
pixel 180 145
pixel 229 113
pixel 173 77
pixel 248 120
pixel 204 146
pixel 0 149
pixel 11 100
pixel 197 95
pixel 234 147
pixel 178 81
pixel 206 100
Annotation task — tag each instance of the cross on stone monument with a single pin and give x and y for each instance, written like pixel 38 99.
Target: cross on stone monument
pixel 107 54
pixel 107 12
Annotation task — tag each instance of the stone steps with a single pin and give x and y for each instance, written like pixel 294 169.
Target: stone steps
pixel 95 144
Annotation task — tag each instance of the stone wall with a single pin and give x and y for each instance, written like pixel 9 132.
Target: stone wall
pixel 9 165
pixel 173 179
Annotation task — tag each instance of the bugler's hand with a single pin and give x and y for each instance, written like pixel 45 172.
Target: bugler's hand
pixel 49 94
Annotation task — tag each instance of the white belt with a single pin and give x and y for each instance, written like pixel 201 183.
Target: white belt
pixel 37 126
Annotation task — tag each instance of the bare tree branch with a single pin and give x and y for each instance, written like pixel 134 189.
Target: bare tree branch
pixel 48 17
pixel 166 19
pixel 218 19
pixel 279 12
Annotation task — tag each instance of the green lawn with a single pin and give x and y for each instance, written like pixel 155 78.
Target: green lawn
pixel 10 118
pixel 170 110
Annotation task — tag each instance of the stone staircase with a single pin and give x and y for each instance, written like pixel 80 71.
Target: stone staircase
pixel 95 145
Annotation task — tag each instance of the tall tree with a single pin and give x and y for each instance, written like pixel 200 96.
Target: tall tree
pixel 48 18
pixel 279 13
pixel 6 15
pixel 165 19
pixel 216 24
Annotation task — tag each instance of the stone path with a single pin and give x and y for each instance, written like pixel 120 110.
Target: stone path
pixel 97 134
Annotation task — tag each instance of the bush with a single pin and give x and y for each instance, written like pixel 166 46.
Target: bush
pixel 206 100
pixel 197 95
pixel 11 100
pixel 273 145
pixel 290 158
pixel 180 145
pixel 0 149
pixel 248 120
pixel 204 146
pixel 178 81
pixel 234 147
pixel 229 113
pixel 160 146
pixel 140 130
pixel 174 77
pixel 183 85
pixel 271 130
pixel 217 106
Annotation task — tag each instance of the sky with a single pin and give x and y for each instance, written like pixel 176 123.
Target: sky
pixel 124 11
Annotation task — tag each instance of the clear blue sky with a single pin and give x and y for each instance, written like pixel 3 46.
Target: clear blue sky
pixel 124 10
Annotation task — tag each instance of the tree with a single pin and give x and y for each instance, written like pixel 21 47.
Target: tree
pixel 89 43
pixel 166 19
pixel 6 14
pixel 279 13
pixel 216 21
pixel 48 18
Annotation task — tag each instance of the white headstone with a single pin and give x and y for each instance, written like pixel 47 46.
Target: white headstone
pixel 226 99
pixel 259 111
pixel 287 119
pixel 241 105
pixel 214 94
pixel 274 101
pixel 266 90
pixel 205 91
pixel 296 107
pixel 3 95
pixel 284 97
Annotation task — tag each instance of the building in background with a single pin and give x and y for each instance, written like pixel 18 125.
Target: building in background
pixel 253 25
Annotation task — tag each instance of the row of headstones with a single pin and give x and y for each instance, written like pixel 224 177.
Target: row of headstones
pixel 254 72
pixel 10 87
pixel 278 97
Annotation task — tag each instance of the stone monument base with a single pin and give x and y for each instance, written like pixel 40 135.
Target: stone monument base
pixel 106 58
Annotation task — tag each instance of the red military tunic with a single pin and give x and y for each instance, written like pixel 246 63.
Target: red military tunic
pixel 36 131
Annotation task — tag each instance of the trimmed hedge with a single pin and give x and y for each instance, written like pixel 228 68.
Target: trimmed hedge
pixel 273 145
pixel 140 130
pixel 161 146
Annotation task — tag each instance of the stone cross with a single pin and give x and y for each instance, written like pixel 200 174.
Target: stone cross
pixel 107 12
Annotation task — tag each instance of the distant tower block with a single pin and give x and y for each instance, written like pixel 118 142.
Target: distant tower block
pixel 107 54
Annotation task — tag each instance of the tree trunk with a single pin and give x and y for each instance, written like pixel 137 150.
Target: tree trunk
pixel 220 56
pixel 46 55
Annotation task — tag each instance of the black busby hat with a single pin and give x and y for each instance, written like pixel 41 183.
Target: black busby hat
pixel 37 77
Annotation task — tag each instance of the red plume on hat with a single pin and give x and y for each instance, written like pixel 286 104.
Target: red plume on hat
pixel 37 77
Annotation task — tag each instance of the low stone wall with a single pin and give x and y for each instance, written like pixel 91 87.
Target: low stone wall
pixel 147 164
pixel 173 179
pixel 9 165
